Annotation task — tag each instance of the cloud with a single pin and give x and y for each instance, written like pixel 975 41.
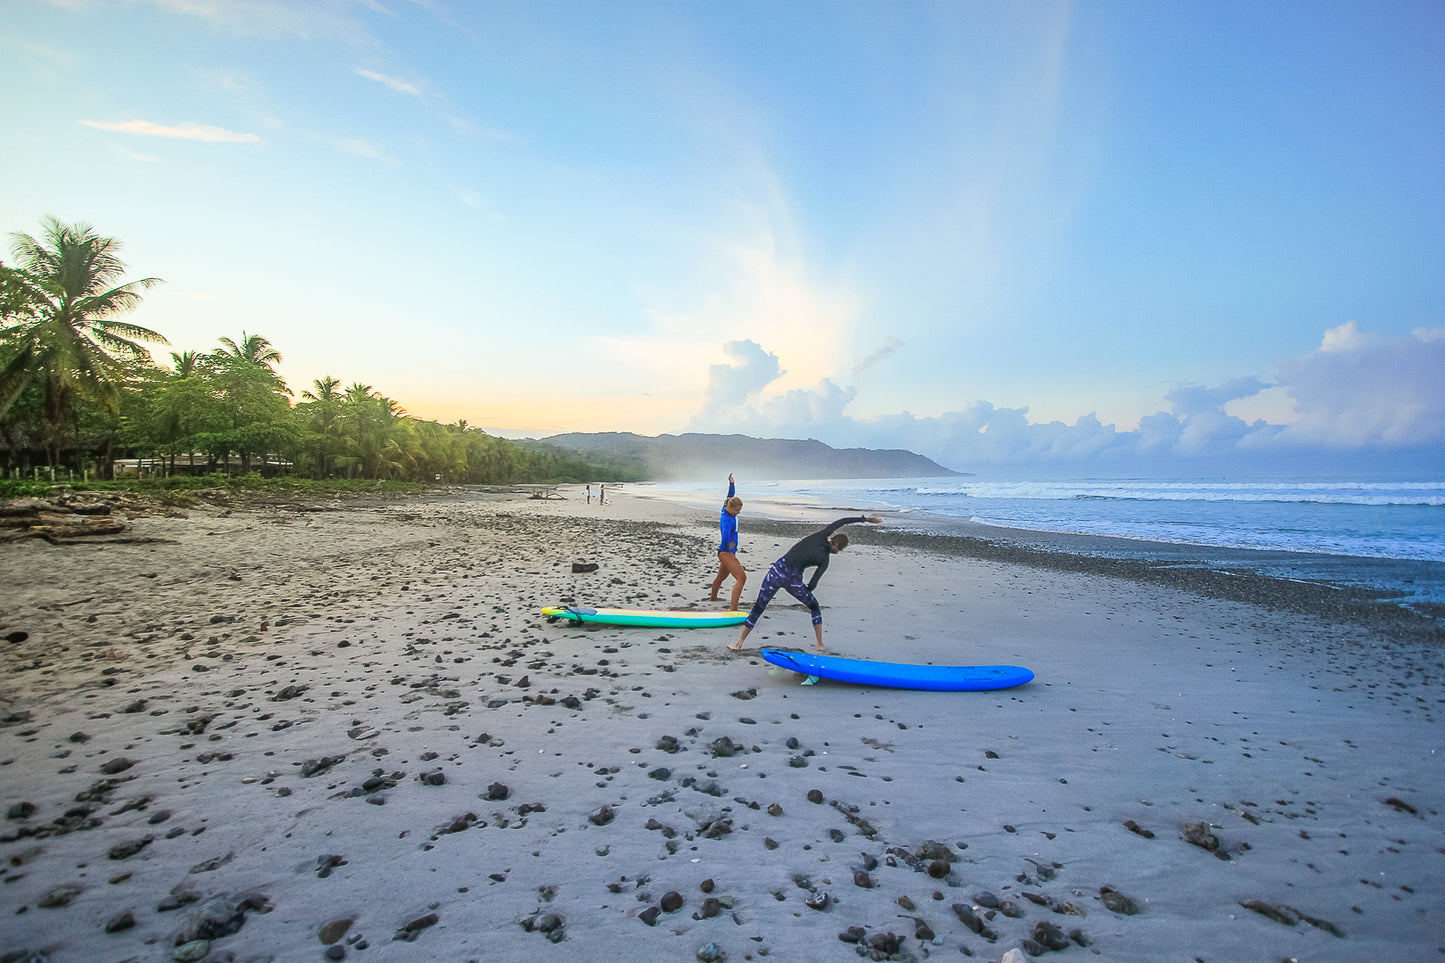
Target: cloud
pixel 752 369
pixel 363 149
pixel 187 131
pixel 1358 392
pixel 1188 400
pixel 400 86
pixel 887 349
pixel 274 18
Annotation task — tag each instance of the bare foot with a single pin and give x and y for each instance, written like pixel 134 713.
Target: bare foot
pixel 735 646
pixel 820 648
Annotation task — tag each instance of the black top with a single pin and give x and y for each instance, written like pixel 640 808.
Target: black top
pixel 814 550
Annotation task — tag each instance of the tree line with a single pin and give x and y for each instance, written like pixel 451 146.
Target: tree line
pixel 80 389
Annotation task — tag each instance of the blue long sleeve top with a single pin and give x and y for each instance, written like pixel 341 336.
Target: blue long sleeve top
pixel 729 542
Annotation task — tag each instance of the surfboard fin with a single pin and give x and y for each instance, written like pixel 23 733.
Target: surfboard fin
pixel 811 680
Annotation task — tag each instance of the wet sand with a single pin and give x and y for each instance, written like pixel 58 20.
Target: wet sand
pixel 344 731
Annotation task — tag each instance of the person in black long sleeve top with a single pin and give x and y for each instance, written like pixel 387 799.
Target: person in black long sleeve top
pixel 787 573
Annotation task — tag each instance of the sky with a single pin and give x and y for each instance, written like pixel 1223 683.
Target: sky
pixel 1114 235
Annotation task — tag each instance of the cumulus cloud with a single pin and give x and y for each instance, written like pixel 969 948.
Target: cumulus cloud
pixel 186 131
pixel 1358 392
pixel 751 369
pixel 1360 389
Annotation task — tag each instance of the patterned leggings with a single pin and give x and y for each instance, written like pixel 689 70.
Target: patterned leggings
pixel 782 577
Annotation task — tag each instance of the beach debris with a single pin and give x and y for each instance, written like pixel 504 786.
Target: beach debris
pixel 1200 834
pixel 21 810
pixel 60 896
pixel 582 568
pixel 1289 916
pixel 409 932
pixel 325 864
pixel 129 849
pixel 549 925
pixel 334 930
pixel 120 922
pixel 973 921
pixel 922 932
pixel 1117 902
pixel 1399 805
pixel 723 747
pixel 1138 830
pixel 221 916
pixel 1049 936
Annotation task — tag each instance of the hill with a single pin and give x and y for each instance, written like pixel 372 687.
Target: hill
pixel 701 456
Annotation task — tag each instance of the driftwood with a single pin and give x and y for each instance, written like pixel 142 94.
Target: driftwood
pixel 57 522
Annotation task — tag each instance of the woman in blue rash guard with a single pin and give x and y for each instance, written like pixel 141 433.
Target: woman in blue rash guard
pixel 787 573
pixel 727 549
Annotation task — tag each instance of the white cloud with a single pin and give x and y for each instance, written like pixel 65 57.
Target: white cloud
pixel 363 148
pixel 730 385
pixel 1362 390
pixel 1357 392
pixel 400 86
pixel 187 131
pixel 274 18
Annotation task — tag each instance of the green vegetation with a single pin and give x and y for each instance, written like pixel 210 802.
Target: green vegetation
pixel 78 391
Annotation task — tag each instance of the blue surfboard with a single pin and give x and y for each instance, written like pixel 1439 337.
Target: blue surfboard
pixel 901 675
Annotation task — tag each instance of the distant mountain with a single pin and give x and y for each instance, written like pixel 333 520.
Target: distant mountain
pixel 698 456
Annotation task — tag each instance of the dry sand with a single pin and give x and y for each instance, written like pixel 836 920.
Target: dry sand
pixel 285 726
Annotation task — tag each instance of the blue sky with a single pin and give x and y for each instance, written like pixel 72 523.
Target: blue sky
pixel 1101 234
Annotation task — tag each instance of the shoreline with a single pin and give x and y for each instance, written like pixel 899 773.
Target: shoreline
pixel 1335 586
pixel 283 733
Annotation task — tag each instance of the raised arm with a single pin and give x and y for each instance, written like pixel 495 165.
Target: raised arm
pixel 873 519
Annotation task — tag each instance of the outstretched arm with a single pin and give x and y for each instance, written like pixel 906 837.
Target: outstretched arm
pixel 874 519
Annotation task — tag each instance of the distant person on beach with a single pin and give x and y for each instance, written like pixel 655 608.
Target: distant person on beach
pixel 589 494
pixel 727 549
pixel 787 573
pixel 602 494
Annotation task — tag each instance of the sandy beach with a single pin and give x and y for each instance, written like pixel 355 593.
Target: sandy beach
pixel 343 730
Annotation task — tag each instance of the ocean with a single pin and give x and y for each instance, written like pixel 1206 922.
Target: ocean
pixel 1383 535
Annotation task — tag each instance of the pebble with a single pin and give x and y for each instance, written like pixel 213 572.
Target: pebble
pixel 334 930
pixel 191 952
pixel 412 930
pixel 1117 902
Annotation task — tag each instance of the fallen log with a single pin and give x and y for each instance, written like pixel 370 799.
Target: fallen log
pixel 82 527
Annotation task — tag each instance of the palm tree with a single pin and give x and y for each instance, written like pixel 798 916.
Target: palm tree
pixel 323 411
pixel 185 364
pixel 58 325
pixel 254 351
